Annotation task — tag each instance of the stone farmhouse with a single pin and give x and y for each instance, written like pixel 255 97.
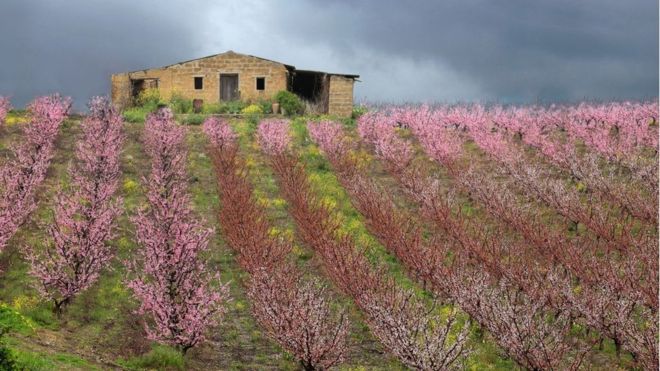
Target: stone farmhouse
pixel 232 76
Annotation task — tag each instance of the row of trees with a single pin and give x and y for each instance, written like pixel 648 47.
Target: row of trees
pixel 538 180
pixel 635 239
pixel 616 291
pixel 516 319
pixel 21 176
pixel 179 295
pixel 563 196
pixel 293 312
pixel 625 135
pixel 85 213
pixel 616 130
pixel 501 133
pixel 409 328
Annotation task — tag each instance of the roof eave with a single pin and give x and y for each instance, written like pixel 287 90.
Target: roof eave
pixel 347 75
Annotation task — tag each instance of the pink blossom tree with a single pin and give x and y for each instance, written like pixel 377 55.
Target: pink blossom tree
pixel 179 295
pixel 5 107
pixel 298 315
pixel 329 135
pixel 433 128
pixel 219 132
pixel 22 175
pixel 521 324
pixel 84 218
pixel 273 136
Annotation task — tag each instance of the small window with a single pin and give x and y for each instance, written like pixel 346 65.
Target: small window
pixel 261 83
pixel 199 83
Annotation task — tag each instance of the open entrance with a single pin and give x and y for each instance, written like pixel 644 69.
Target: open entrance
pixel 140 85
pixel 312 87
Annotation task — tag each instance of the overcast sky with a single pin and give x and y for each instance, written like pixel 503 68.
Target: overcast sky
pixel 453 50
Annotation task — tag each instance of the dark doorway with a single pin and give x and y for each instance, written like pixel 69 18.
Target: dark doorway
pixel 140 85
pixel 311 86
pixel 228 87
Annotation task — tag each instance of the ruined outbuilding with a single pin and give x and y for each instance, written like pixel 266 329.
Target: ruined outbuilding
pixel 232 76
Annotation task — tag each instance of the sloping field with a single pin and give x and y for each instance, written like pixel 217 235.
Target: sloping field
pixel 411 237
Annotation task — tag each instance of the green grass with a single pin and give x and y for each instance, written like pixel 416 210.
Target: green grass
pixel 193 119
pixel 160 357
pixel 136 114
pixel 37 361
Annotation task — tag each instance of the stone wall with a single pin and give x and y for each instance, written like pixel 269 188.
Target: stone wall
pixel 340 98
pixel 121 90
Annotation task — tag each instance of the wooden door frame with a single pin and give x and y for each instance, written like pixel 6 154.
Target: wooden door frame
pixel 238 81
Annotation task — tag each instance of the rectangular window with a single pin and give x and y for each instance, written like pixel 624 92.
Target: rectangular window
pixel 261 83
pixel 199 83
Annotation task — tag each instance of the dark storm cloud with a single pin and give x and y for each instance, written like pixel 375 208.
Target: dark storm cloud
pixel 509 51
pixel 516 50
pixel 73 46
